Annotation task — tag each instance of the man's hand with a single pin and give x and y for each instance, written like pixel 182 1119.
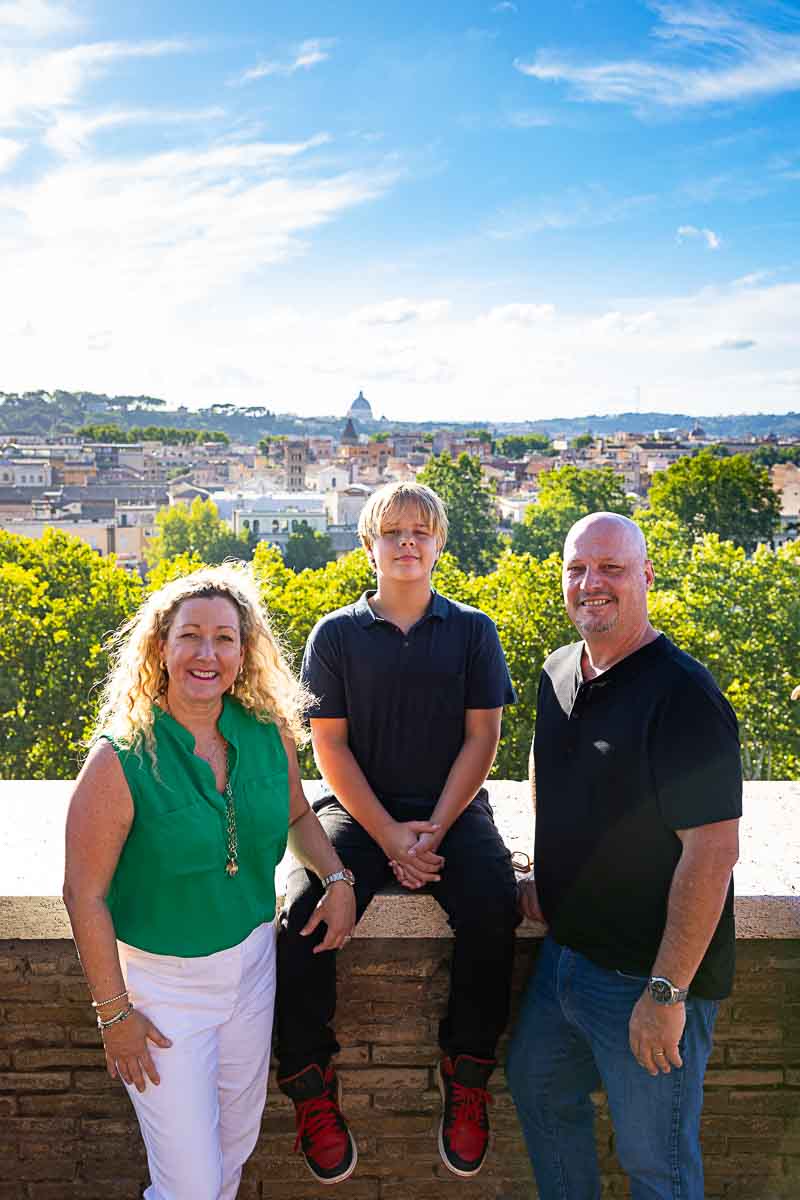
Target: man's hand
pixel 528 899
pixel 654 1032
pixel 337 908
pixel 410 847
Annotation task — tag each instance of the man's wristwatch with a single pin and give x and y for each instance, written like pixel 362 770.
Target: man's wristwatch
pixel 663 991
pixel 343 876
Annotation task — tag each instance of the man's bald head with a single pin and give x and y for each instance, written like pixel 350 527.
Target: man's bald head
pixel 614 523
pixel 606 577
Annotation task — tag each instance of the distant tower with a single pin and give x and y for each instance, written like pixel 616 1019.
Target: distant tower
pixel 294 461
pixel 360 409
pixel 349 436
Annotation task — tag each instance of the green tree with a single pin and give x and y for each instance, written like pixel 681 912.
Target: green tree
pixel 59 600
pixel 771 456
pixel 198 531
pixel 566 495
pixel 581 441
pixel 473 538
pixel 308 550
pixel 740 616
pixel 732 497
pixel 518 445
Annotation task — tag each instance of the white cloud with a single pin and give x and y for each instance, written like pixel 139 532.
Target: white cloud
pixel 34 83
pixel 579 207
pixel 36 18
pixel 520 314
pixel 309 54
pixel 72 131
pixel 401 311
pixel 463 365
pixel 711 239
pixel 9 152
pixel 740 60
pixel 752 279
pixel 121 244
pixel 527 119
pixel 505 6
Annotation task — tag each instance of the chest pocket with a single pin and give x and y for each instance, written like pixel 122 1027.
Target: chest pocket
pixel 262 808
pixel 184 841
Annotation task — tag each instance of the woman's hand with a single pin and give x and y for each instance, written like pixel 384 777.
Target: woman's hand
pixel 127 1052
pixel 337 908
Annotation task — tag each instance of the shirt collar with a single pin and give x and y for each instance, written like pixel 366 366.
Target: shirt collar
pixel 365 617
pixel 226 723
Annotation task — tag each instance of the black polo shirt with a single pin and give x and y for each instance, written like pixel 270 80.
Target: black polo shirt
pixel 622 762
pixel 404 695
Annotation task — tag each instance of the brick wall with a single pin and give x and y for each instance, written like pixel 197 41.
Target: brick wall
pixel 66 1130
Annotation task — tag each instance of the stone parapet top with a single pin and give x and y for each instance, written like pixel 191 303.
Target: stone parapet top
pixel 32 814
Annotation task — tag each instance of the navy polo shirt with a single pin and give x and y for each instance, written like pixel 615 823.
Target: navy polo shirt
pixel 404 695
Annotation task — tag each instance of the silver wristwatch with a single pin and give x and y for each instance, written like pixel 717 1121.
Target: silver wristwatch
pixel 343 876
pixel 664 991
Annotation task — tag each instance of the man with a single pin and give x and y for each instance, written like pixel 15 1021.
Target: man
pixel 409 690
pixel 636 779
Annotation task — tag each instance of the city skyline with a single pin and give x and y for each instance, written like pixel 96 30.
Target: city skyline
pixel 462 208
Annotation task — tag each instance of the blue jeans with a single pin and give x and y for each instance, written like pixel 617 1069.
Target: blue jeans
pixel 572 1039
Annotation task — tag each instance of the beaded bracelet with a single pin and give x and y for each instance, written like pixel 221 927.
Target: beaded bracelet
pixel 103 1003
pixel 120 1016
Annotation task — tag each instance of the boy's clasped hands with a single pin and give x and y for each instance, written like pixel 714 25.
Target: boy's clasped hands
pixel 411 847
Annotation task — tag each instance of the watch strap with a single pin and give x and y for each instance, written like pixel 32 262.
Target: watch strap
pixel 343 876
pixel 658 985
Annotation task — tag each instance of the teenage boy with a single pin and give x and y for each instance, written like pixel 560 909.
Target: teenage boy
pixel 409 690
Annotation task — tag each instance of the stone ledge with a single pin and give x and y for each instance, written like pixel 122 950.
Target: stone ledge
pixel 32 862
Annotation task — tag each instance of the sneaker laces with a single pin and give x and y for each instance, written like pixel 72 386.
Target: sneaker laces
pixel 468 1106
pixel 319 1120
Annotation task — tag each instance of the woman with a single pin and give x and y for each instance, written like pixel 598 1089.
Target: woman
pixel 176 824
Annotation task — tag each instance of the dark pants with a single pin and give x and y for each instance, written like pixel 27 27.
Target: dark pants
pixel 477 890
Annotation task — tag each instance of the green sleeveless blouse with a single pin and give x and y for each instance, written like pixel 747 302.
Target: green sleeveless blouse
pixel 170 893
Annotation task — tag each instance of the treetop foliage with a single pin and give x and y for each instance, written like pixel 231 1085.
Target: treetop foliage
pixel 197 531
pixel 732 497
pixel 565 495
pixel 472 538
pixel 736 611
pixel 307 549
pixel 167 434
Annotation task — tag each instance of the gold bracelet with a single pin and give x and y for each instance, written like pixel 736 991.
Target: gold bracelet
pixel 103 1003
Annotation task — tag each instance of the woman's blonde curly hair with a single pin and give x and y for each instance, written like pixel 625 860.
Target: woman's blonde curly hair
pixel 265 685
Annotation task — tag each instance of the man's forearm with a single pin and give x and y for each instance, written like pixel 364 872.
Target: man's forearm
pixel 696 898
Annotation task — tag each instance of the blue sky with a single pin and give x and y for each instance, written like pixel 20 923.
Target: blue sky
pixel 469 210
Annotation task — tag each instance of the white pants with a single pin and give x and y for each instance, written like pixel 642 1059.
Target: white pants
pixel 202 1121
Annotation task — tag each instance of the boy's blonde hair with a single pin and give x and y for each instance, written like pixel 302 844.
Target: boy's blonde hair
pixel 384 505
pixel 265 685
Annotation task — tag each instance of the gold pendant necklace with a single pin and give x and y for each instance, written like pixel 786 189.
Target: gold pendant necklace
pixel 232 865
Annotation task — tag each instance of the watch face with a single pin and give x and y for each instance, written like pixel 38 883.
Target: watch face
pixel 661 991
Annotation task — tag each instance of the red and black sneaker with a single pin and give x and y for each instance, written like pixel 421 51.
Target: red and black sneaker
pixel 464 1128
pixel 322 1134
